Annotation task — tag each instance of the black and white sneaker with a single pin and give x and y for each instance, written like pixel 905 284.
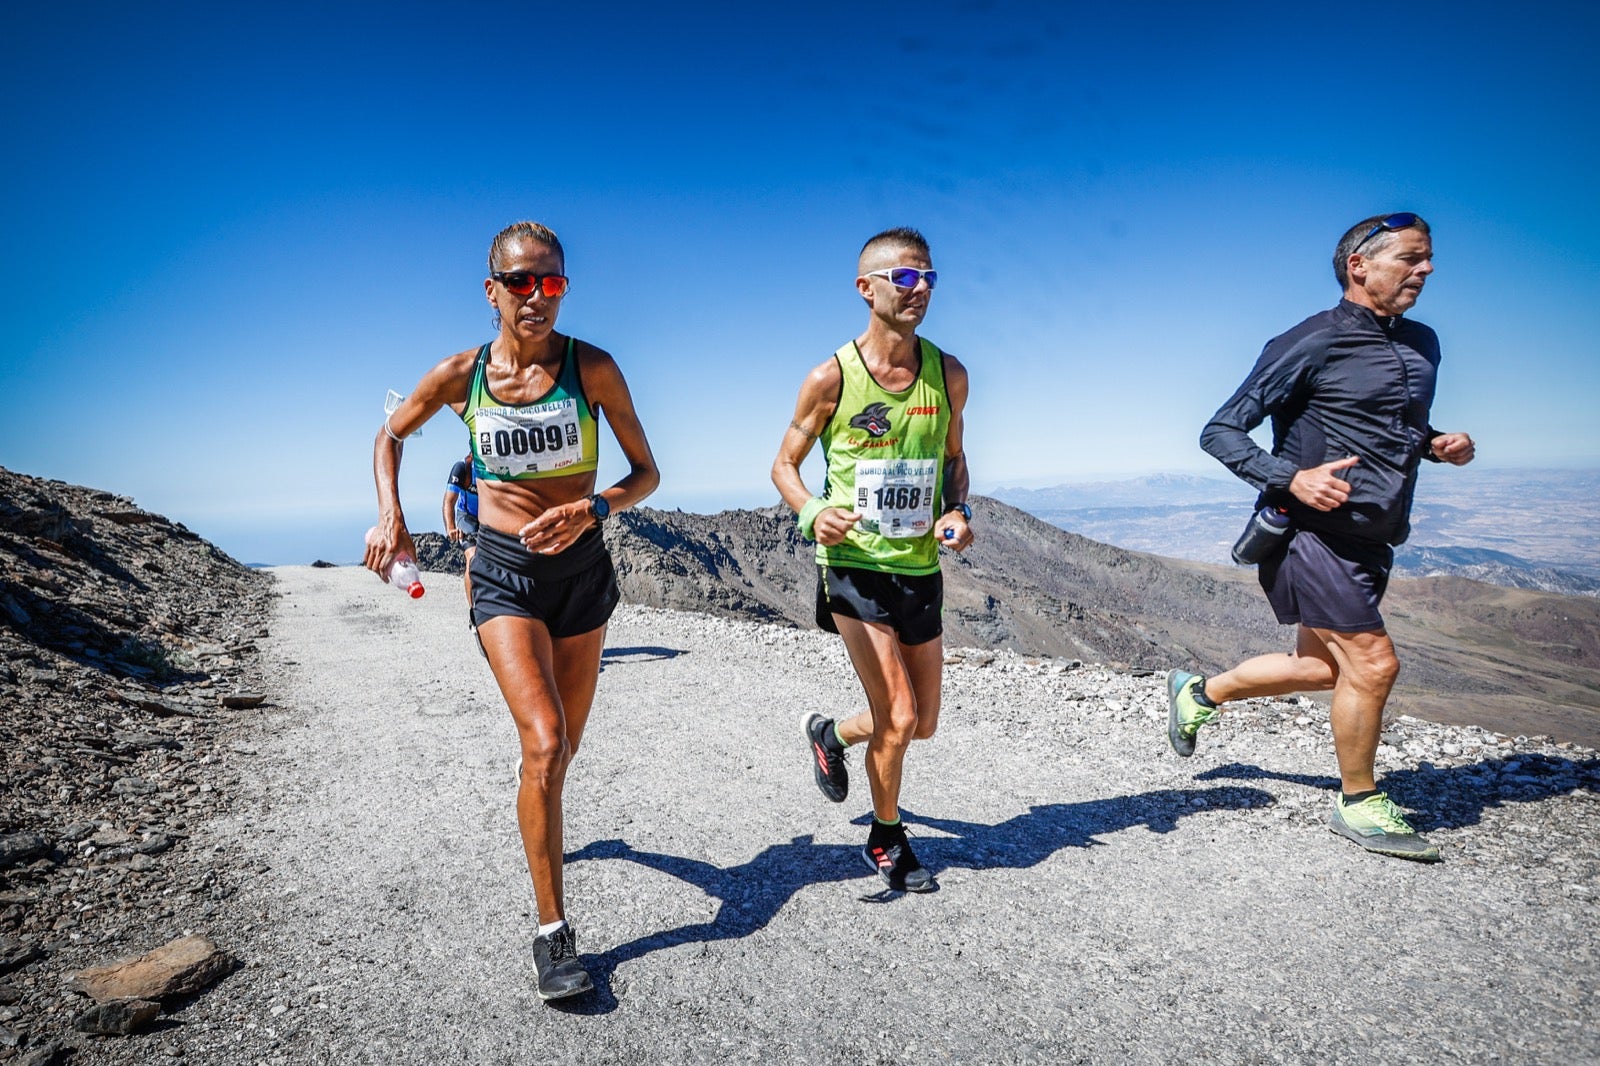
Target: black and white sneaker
pixel 827 759
pixel 897 864
pixel 561 974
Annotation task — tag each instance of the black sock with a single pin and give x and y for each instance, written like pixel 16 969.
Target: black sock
pixel 1200 696
pixel 882 832
pixel 830 738
pixel 1357 797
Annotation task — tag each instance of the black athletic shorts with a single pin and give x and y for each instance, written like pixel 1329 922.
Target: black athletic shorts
pixel 910 604
pixel 1327 582
pixel 572 592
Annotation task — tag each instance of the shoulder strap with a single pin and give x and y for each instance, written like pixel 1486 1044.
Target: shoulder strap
pixel 474 390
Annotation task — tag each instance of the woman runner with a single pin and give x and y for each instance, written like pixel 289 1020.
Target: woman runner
pixel 542 581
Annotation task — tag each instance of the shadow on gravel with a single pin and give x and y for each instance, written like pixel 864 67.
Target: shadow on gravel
pixel 1029 839
pixel 1451 797
pixel 646 654
pixel 753 892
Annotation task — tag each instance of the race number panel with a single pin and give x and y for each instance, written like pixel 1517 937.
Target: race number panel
pixel 895 496
pixel 528 440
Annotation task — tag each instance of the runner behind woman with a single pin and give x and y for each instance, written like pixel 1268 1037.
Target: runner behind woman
pixel 461 514
pixel 542 582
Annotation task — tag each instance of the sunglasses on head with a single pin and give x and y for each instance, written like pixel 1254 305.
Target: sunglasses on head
pixel 1403 220
pixel 905 277
pixel 522 283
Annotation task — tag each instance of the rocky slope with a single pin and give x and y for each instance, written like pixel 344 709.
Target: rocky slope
pixel 122 638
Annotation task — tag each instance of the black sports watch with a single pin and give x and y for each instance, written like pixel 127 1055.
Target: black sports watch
pixel 599 508
pixel 961 509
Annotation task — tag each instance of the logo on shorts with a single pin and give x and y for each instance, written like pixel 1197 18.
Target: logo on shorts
pixel 874 419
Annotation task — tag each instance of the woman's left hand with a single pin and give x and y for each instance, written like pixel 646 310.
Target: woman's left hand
pixel 555 530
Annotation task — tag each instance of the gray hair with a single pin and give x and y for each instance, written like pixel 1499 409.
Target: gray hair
pixel 1356 236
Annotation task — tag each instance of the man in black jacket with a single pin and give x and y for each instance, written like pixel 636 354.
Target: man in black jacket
pixel 1348 391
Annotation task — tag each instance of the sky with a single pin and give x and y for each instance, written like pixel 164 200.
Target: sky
pixel 232 228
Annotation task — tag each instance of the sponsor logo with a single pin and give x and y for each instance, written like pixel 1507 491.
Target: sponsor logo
pixel 922 410
pixel 867 443
pixel 874 418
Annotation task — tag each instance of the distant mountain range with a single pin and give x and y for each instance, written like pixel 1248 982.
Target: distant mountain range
pixel 1534 529
pixel 1514 660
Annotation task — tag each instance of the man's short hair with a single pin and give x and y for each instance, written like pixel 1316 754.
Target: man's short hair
pixel 1355 236
pixel 898 237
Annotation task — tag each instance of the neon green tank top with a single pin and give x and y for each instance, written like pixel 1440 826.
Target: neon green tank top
pixel 553 436
pixel 885 455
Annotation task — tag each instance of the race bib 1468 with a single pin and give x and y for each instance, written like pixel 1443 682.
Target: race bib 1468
pixel 895 496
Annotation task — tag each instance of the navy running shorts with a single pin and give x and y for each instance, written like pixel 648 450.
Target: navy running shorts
pixel 572 592
pixel 1327 582
pixel 910 604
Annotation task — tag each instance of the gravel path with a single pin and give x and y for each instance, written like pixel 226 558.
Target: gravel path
pixel 1100 899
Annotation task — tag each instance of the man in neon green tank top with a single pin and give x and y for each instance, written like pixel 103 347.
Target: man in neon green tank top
pixel 887 409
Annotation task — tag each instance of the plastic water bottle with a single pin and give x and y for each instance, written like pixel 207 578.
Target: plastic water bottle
pixel 1262 536
pixel 403 573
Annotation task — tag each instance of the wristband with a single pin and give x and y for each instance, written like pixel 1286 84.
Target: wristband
pixel 808 516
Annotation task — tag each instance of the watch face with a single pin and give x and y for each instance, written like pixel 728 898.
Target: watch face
pixel 601 507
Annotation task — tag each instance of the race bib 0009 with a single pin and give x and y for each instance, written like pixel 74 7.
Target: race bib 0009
pixel 529 440
pixel 895 496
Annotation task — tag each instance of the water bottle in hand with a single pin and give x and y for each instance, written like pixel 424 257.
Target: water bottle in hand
pixel 403 573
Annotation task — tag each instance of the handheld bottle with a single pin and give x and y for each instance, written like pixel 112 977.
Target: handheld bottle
pixel 403 573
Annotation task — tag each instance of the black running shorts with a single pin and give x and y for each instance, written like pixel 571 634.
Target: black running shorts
pixel 1327 582
pixel 910 604
pixel 572 592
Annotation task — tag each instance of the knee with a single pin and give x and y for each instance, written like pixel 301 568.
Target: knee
pixel 1375 673
pixel 927 723
pixel 545 758
pixel 900 726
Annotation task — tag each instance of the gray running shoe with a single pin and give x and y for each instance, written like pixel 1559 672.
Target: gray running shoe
pixel 555 957
pixel 1378 825
pixel 1185 714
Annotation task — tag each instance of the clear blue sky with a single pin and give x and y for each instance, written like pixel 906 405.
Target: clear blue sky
pixel 230 228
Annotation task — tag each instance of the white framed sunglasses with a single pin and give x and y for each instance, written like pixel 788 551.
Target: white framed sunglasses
pixel 905 277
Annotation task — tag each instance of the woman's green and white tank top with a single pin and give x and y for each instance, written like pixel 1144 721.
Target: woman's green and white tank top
pixel 885 456
pixel 553 436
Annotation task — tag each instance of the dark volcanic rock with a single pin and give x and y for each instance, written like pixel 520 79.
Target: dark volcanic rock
pixel 438 553
pixel 117 1017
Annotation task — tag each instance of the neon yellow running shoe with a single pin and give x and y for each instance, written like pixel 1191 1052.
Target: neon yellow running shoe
pixel 1378 825
pixel 1185 714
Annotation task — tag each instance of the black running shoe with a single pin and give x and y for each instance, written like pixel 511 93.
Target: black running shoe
pixel 897 864
pixel 555 956
pixel 827 765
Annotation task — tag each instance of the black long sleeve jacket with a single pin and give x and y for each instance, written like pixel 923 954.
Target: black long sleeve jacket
pixel 1344 382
